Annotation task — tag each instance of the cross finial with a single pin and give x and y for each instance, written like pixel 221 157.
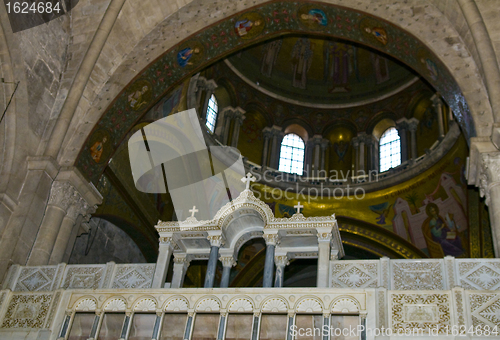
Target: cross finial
pixel 247 179
pixel 298 207
pixel 193 211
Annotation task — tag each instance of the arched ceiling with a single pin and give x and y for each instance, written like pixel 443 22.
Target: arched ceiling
pixel 320 72
pixel 268 21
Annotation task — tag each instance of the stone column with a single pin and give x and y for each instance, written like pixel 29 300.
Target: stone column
pixel 371 153
pixel 412 126
pixel 324 146
pixel 281 261
pixel 227 263
pixel 324 239
pixel 69 222
pixel 267 134
pixel 215 243
pixel 181 264
pixel 355 148
pixel 402 127
pixel 308 158
pixel 238 119
pixel 226 116
pixel 438 106
pixel 361 153
pixel 62 195
pixel 164 254
pixel 271 240
pixel 317 139
pixel 488 180
pixel 275 147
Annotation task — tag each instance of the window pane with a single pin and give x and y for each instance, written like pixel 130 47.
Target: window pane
pixel 111 327
pixel 205 327
pixel 292 154
pixel 142 326
pixel 390 149
pixel 81 327
pixel 173 326
pixel 273 326
pixel 239 327
pixel 211 115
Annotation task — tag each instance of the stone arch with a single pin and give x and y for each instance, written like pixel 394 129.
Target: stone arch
pixel 176 304
pixel 399 16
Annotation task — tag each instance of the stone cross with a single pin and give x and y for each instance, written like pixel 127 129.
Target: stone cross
pixel 298 207
pixel 247 179
pixel 193 211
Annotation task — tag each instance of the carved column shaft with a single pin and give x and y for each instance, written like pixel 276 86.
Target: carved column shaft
pixel 438 105
pixel 412 126
pixel 164 254
pixel 62 196
pixel 281 261
pixel 275 147
pixel 181 265
pixel 271 240
pixel 324 238
pixel 215 243
pixel 267 134
pixel 238 121
pixel 402 127
pixel 227 263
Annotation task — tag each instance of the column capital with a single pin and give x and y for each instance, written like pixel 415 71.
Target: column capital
pixel 489 174
pixel 324 235
pixel 413 124
pixel 62 194
pixel 166 240
pixel 227 261
pixel 271 239
pixel 281 260
pixel 402 124
pixel 267 132
pixel 215 240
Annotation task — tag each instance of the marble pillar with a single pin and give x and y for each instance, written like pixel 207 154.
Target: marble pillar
pixel 402 127
pixel 79 208
pixel 412 127
pixel 317 154
pixel 308 158
pixel 62 196
pixel 439 107
pixel 324 239
pixel 215 244
pixel 281 261
pixel 271 240
pixel 181 264
pixel 324 146
pixel 267 134
pixel 227 263
pixel 488 180
pixel 164 254
pixel 238 119
pixel 355 150
pixel 275 147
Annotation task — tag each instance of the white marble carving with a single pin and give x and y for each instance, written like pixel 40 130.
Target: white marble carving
pixel 133 276
pixel 275 305
pixel 344 305
pixel 241 305
pixel 417 275
pixel 35 279
pixel 86 305
pixel 354 274
pixel 479 274
pixel 485 309
pixel 84 277
pixel 145 305
pixel 208 305
pixel 178 304
pixel 115 305
pixel 309 305
pixel 28 310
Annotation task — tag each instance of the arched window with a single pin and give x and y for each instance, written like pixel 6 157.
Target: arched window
pixel 292 154
pixel 390 149
pixel 212 111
